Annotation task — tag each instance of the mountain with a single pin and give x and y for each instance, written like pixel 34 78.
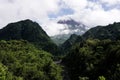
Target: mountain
pixel 111 31
pixel 30 31
pixel 68 43
pixel 95 55
pixel 71 27
pixel 60 39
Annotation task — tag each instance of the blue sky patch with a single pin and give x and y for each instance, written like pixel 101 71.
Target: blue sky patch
pixel 107 8
pixel 62 12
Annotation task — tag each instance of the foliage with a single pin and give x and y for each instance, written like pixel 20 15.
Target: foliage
pixel 2 72
pixel 83 78
pixel 111 32
pixel 6 75
pixel 65 47
pixel 23 61
pixel 93 58
pixel 101 78
pixel 30 31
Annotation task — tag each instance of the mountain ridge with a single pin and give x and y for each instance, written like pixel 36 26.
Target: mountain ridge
pixel 30 31
pixel 111 31
pixel 72 27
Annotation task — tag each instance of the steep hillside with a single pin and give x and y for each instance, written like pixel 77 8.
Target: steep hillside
pixel 68 43
pixel 30 31
pixel 111 32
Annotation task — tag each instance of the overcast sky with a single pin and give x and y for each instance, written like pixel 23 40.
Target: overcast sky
pixel 48 12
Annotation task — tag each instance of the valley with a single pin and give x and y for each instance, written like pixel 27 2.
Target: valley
pixel 27 52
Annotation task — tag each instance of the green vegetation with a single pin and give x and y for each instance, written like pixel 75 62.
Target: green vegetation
pixel 111 32
pixel 30 31
pixel 90 59
pixel 95 55
pixel 20 60
pixel 101 78
pixel 65 47
pixel 92 56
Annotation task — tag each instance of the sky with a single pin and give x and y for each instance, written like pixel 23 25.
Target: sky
pixel 48 12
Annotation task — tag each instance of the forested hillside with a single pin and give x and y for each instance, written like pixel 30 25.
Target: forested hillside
pixel 95 55
pixel 94 60
pixel 20 60
pixel 65 47
pixel 30 31
pixel 111 31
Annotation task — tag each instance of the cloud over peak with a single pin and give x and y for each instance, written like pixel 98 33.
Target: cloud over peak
pixel 48 12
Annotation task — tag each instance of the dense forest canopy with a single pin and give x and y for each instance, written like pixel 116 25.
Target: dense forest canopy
pixel 91 59
pixel 20 60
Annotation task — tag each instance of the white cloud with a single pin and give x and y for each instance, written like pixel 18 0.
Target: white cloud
pixel 101 17
pixel 76 5
pixel 14 10
pixel 94 13
pixel 53 28
pixel 110 2
pixel 89 12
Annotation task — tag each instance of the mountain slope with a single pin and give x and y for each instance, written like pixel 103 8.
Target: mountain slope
pixel 111 32
pixel 95 55
pixel 71 27
pixel 68 43
pixel 30 31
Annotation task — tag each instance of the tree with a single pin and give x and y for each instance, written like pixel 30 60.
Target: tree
pixel 3 72
pixel 101 78
pixel 26 62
